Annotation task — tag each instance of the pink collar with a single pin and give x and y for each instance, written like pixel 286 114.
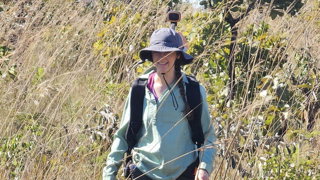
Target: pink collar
pixel 150 85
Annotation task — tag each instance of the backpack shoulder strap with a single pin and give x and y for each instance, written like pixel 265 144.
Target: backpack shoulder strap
pixel 194 100
pixel 136 112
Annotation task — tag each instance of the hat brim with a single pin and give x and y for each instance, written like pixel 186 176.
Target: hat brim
pixel 146 53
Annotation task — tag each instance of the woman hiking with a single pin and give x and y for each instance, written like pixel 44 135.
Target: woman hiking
pixel 165 147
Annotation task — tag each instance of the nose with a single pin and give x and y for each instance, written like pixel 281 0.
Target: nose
pixel 163 54
pixel 160 56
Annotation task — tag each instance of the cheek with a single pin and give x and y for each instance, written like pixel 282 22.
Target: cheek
pixel 172 59
pixel 155 58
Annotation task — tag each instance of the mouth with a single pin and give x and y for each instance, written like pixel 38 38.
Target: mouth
pixel 163 63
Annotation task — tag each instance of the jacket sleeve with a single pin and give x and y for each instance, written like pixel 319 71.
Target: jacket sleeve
pixel 208 153
pixel 119 145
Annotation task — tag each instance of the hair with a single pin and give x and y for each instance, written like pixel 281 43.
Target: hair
pixel 178 74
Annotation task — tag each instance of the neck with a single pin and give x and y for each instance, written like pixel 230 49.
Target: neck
pixel 170 77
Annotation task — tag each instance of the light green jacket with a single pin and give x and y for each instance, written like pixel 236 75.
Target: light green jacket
pixel 165 148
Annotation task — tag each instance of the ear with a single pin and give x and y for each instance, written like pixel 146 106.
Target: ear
pixel 179 55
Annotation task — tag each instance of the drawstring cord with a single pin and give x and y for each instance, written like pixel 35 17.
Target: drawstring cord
pixel 173 97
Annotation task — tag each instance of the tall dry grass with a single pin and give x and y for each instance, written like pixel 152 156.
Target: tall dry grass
pixel 55 37
pixel 71 59
pixel 51 110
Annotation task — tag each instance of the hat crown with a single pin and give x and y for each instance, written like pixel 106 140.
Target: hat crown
pixel 166 37
pixel 165 40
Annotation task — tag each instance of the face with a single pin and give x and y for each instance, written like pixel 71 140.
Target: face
pixel 164 61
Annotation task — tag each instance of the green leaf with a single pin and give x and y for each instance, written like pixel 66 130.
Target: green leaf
pixel 203 3
pixel 269 120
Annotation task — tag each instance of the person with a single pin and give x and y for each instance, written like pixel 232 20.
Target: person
pixel 164 149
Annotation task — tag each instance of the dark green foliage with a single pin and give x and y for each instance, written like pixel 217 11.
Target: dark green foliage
pixel 4 50
pixel 264 74
pixel 7 69
pixel 173 3
pixel 278 7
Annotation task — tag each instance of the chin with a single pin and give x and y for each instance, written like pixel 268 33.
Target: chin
pixel 162 70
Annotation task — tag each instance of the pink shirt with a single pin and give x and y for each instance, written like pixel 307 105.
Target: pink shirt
pixel 150 85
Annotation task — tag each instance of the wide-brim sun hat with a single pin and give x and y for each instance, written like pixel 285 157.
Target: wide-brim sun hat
pixel 165 40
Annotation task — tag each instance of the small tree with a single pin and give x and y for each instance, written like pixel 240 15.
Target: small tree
pixel 234 11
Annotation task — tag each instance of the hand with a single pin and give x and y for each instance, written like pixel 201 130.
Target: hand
pixel 202 175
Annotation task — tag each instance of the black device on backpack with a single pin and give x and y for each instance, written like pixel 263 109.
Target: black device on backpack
pixel 173 17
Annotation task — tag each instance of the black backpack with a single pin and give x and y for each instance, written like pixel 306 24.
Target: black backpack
pixel 194 100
